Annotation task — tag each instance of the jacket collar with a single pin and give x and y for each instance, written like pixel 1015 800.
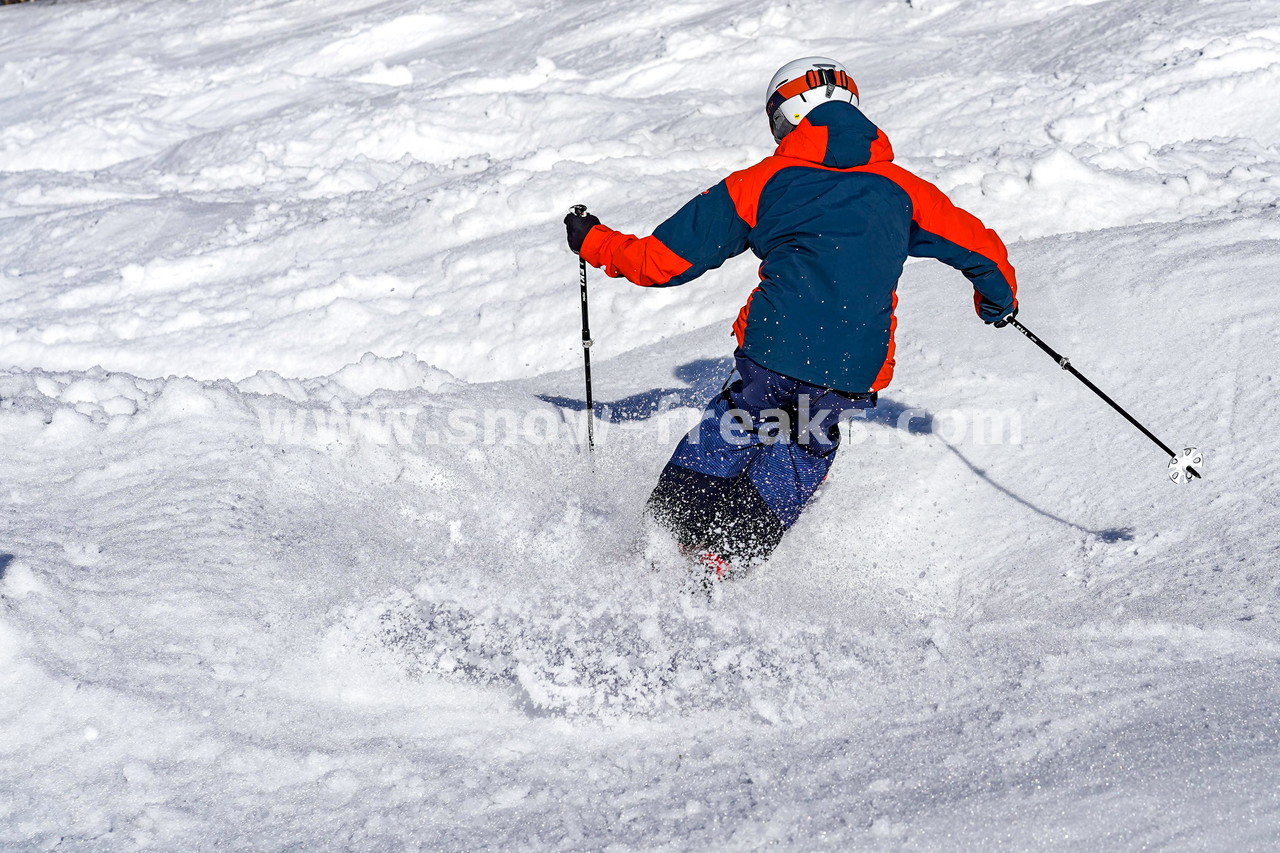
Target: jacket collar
pixel 837 135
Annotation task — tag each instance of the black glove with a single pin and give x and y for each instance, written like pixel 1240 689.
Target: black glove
pixel 994 315
pixel 1004 321
pixel 576 228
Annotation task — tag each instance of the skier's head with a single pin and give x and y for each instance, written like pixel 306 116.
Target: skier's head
pixel 801 85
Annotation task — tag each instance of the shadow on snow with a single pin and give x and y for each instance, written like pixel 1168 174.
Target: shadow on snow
pixel 704 378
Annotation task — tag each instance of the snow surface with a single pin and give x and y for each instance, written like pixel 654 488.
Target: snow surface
pixel 269 582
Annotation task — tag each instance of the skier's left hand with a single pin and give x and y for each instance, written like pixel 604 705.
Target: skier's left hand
pixel 993 315
pixel 576 228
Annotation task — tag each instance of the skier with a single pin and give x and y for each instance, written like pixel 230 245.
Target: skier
pixel 832 219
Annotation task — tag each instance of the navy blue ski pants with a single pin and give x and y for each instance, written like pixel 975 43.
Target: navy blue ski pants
pixel 743 475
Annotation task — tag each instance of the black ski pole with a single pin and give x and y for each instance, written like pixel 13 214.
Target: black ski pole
pixel 1181 467
pixel 581 210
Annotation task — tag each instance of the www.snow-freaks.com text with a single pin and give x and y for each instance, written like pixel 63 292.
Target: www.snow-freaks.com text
pixel 418 426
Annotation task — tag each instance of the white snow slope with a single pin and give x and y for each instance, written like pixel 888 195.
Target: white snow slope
pixel 265 262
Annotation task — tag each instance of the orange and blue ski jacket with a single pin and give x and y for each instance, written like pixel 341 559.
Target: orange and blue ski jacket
pixel 833 220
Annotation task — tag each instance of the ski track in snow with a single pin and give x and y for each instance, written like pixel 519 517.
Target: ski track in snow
pixel 260 257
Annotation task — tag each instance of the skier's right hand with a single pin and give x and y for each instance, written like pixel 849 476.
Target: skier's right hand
pixel 576 228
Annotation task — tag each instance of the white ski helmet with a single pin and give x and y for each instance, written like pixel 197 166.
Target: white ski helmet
pixel 801 85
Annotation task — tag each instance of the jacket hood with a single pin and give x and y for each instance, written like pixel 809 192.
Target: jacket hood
pixel 837 135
